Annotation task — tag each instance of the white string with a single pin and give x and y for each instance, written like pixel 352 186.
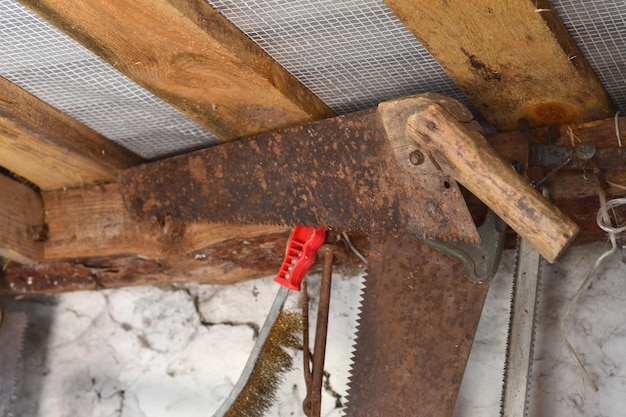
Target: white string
pixel 613 184
pixel 603 219
pixel 345 237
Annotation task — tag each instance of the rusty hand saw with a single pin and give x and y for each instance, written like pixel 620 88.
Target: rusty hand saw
pixel 392 172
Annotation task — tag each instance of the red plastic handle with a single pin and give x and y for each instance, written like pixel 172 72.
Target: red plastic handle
pixel 300 255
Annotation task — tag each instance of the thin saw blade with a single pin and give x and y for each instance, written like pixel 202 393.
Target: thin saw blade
pixel 520 343
pixel 12 328
pixel 418 319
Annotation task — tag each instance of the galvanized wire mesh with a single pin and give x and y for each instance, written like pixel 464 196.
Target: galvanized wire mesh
pixel 352 54
pixel 599 29
pixel 50 65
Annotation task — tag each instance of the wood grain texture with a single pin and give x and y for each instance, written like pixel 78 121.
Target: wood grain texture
pixel 227 262
pixel 513 59
pixel 468 158
pixel 93 222
pixel 21 219
pixel 49 148
pixel 186 53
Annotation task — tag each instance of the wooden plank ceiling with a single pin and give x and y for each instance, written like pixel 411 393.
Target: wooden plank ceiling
pixel 513 59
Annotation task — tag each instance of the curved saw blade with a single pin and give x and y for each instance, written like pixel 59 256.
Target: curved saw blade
pixel 418 319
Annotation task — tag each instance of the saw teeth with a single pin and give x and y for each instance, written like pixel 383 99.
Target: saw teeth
pixel 359 305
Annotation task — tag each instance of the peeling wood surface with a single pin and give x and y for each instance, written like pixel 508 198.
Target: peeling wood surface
pixel 21 222
pixel 226 262
pixel 186 53
pixel 217 264
pixel 49 148
pixel 513 59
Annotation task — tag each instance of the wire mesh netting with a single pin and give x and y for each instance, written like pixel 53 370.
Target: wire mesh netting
pixel 352 54
pixel 50 65
pixel 599 29
pixel 355 53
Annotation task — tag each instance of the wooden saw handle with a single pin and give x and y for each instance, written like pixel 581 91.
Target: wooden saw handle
pixel 468 158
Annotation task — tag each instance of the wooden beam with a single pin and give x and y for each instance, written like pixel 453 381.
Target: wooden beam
pixel 21 222
pixel 513 59
pixel 93 222
pixel 189 55
pixel 49 148
pixel 226 262
pixel 93 243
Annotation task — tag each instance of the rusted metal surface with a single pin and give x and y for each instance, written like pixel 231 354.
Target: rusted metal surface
pixel 418 319
pixel 338 173
pixel 314 361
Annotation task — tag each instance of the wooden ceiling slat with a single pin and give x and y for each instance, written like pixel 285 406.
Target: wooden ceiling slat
pixel 187 54
pixel 513 59
pixel 21 222
pixel 49 148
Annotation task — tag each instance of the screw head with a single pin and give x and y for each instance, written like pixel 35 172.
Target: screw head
pixel 416 157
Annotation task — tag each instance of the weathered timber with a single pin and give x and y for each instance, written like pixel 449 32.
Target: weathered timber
pixel 513 59
pixel 469 158
pixel 186 53
pixel 226 262
pixel 93 222
pixel 49 148
pixel 22 229
pixel 89 222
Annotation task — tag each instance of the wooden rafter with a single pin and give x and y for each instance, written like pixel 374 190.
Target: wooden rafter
pixel 93 222
pixel 513 59
pixel 22 230
pixel 186 53
pixel 49 148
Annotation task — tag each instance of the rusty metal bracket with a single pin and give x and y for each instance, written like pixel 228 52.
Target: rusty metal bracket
pixel 481 260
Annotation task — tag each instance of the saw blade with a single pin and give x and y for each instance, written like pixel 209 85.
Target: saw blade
pixel 12 328
pixel 417 323
pixel 339 173
pixel 521 332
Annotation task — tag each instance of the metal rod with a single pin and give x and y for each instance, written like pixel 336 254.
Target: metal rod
pixel 312 404
pixel 306 351
pixel 277 306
